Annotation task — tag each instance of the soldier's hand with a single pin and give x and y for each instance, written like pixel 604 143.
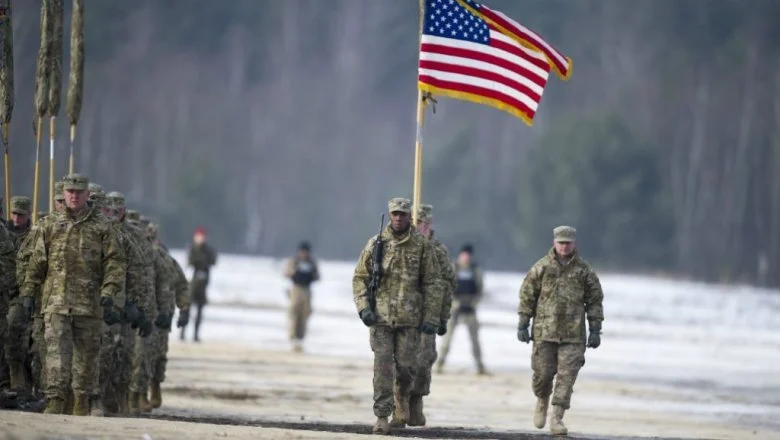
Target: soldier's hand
pixel 594 338
pixel 161 320
pixel 522 329
pixel 184 318
pixel 145 329
pixel 428 328
pixel 130 312
pixel 110 316
pixel 368 317
pixel 28 303
pixel 442 328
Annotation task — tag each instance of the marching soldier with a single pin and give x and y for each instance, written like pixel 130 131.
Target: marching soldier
pixel 560 292
pixel 408 302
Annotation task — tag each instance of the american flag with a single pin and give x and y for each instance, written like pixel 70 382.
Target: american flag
pixel 463 56
pixel 559 62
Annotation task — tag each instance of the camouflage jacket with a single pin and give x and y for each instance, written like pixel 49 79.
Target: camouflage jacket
pixel 139 276
pixel 302 273
pixel 446 278
pixel 164 280
pixel 409 293
pixel 19 233
pixel 179 284
pixel 202 257
pixel 24 250
pixel 76 259
pixel 559 296
pixel 8 284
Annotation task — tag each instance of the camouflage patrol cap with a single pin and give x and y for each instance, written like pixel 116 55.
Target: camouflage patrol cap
pixel 133 215
pixel 94 187
pixel 115 199
pixel 144 220
pixel 21 205
pixel 77 182
pixel 424 213
pixel 59 196
pixel 151 230
pixel 399 204
pixel 98 199
pixel 564 234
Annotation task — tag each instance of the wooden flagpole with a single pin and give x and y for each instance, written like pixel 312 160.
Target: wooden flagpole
pixel 417 190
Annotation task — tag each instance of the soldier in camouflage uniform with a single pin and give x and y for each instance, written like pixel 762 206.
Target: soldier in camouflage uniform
pixel 179 285
pixel 427 355
pixel 77 271
pixel 17 352
pixel 408 301
pixel 8 289
pixel 201 257
pixel 133 363
pixel 302 270
pixel 560 291
pixel 468 293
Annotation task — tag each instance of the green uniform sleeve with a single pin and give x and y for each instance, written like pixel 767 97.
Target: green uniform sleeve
pixel 594 297
pixel 530 290
pixel 114 267
pixel 361 276
pixel 431 287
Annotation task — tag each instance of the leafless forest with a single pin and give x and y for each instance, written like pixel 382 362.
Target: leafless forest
pixel 274 121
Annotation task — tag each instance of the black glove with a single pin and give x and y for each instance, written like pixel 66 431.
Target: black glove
pixel 184 318
pixel 145 329
pixel 130 312
pixel 110 316
pixel 28 303
pixel 442 328
pixel 522 329
pixel 594 339
pixel 428 328
pixel 140 320
pixel 368 317
pixel 161 320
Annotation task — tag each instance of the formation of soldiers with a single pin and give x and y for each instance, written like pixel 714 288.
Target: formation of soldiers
pixel 89 293
pixel 414 300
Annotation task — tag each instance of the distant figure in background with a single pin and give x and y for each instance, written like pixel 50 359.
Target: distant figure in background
pixel 468 293
pixel 302 271
pixel 201 257
pixel 559 292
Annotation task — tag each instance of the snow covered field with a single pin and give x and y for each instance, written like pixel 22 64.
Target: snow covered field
pixel 677 360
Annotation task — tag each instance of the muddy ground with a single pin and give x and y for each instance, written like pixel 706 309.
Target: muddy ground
pixel 216 391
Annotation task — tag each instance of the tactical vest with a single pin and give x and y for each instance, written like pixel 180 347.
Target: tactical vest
pixel 304 273
pixel 466 281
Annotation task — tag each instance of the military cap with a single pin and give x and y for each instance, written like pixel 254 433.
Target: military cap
pixel 151 230
pixel 133 215
pixel 78 182
pixel 21 205
pixel 564 234
pixel 425 213
pixel 399 204
pixel 144 220
pixel 98 199
pixel 58 191
pixel 94 187
pixel 115 199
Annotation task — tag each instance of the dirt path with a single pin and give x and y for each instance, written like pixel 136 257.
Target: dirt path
pixel 223 391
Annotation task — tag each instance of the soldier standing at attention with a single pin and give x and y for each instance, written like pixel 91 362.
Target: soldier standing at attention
pixel 302 270
pixel 407 302
pixel 560 291
pixel 200 257
pixel 468 293
pixel 77 269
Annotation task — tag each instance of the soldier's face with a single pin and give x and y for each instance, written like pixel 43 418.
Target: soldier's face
pixel 58 205
pixel 19 219
pixel 399 220
pixel 424 228
pixel 564 248
pixel 76 198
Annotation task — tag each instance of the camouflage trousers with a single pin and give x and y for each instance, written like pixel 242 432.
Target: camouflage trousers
pixel 126 352
pixel 426 357
pixel 72 354
pixel 549 359
pixel 4 379
pixel 109 346
pixel 159 354
pixel 299 312
pixel 395 358
pixel 38 354
pixel 470 319
pixel 139 382
pixel 17 346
